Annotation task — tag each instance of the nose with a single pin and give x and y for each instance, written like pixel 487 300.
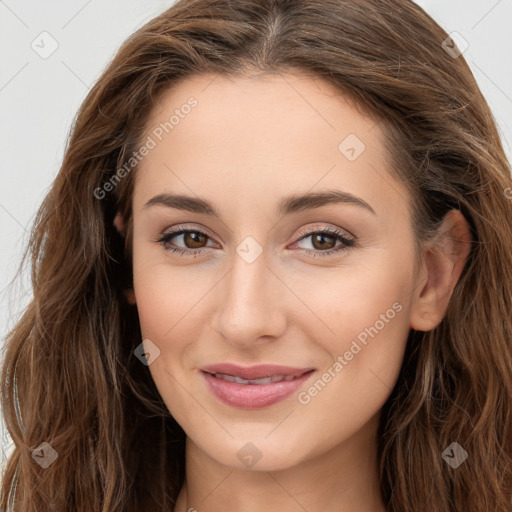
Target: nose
pixel 250 303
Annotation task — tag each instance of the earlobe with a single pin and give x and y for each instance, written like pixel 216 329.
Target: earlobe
pixel 444 261
pixel 118 223
pixel 130 296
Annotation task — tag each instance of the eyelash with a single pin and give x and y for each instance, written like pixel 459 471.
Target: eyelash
pixel 347 242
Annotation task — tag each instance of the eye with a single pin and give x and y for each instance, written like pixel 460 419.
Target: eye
pixel 324 241
pixel 192 238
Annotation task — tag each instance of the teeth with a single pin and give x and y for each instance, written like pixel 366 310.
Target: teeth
pixel 266 380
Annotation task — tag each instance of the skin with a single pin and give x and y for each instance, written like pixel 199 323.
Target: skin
pixel 249 142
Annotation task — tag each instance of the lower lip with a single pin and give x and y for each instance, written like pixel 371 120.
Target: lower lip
pixel 253 396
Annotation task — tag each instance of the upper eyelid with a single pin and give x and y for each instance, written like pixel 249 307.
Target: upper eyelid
pixel 334 231
pixel 186 227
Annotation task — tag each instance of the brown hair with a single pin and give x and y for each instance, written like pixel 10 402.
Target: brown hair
pixel 70 357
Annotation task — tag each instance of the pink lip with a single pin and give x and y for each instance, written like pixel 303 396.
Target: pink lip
pixel 255 396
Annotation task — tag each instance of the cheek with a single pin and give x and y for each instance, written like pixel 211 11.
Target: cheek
pixel 351 300
pixel 163 293
pixel 365 320
pixel 171 308
pixel 168 310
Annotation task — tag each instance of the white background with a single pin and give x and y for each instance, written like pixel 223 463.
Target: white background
pixel 39 98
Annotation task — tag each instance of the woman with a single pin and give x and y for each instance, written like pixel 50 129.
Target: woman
pixel 193 344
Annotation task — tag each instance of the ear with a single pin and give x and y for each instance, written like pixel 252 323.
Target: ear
pixel 119 225
pixel 444 260
pixel 130 296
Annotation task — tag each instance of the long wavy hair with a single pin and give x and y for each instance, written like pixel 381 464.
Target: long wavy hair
pixel 69 376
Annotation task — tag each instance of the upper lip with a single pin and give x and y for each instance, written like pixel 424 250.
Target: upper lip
pixel 254 372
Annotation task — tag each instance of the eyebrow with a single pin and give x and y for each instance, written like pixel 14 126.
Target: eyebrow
pixel 287 205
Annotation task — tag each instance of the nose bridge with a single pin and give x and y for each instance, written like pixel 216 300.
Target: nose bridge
pixel 249 307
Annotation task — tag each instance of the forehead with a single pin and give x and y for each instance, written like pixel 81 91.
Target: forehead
pixel 254 139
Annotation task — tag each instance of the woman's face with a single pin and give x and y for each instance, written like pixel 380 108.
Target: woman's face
pixel 258 280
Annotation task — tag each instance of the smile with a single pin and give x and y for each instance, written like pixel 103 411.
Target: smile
pixel 267 380
pixel 253 393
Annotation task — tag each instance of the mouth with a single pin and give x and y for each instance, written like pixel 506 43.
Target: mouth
pixel 254 374
pixel 266 386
